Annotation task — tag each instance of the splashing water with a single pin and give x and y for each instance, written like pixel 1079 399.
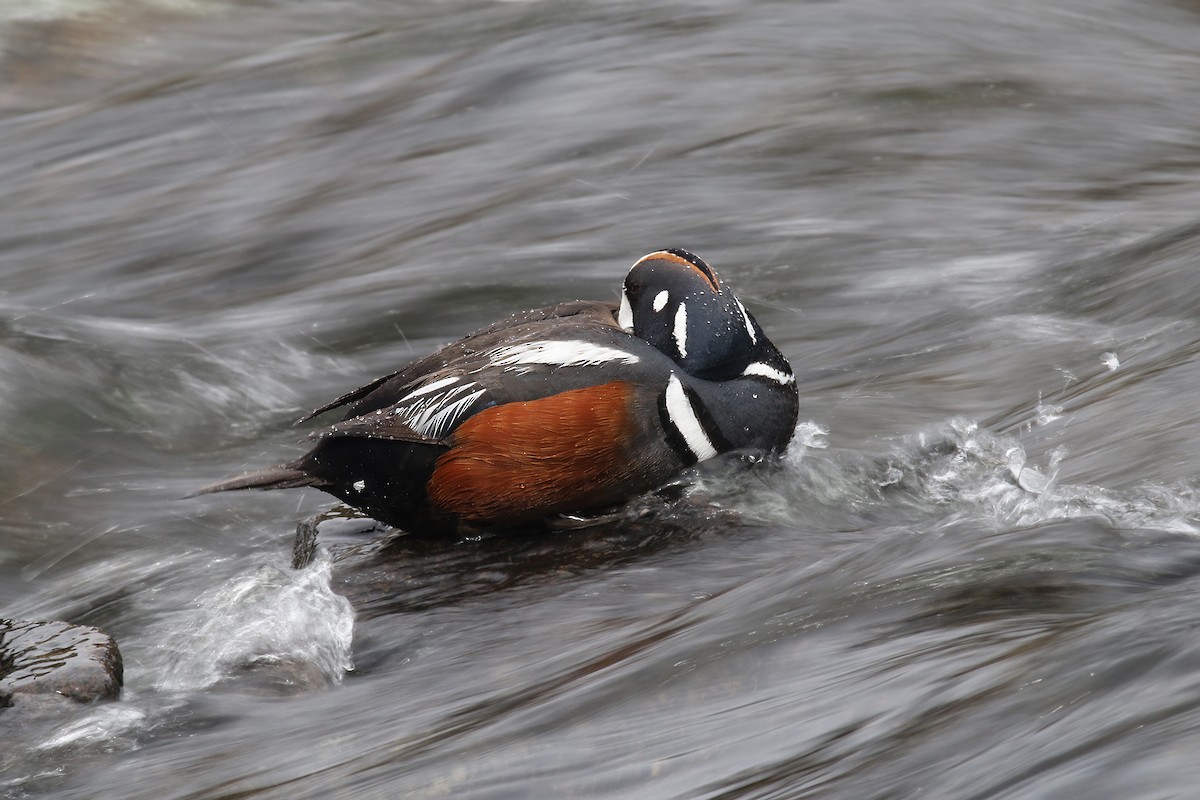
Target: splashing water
pixel 952 473
pixel 287 622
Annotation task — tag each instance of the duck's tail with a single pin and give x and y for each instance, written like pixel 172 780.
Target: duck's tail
pixel 284 476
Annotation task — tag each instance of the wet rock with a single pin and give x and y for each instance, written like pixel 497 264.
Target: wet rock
pixel 57 658
pixel 340 522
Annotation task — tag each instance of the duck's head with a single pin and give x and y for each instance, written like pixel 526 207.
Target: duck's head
pixel 676 302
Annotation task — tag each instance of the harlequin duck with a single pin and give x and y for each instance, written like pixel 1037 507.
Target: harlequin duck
pixel 564 409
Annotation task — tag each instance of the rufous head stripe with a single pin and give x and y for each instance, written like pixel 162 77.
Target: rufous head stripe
pixel 685 259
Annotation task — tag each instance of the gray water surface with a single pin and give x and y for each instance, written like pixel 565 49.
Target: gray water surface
pixel 973 227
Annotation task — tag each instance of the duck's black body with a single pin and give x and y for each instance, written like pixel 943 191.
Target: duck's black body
pixel 563 409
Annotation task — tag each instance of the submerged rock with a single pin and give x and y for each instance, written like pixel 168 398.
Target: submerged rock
pixel 57 658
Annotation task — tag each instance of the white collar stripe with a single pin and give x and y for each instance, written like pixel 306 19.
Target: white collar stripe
pixel 683 417
pixel 770 373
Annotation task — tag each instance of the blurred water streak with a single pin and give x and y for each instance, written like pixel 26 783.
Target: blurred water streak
pixel 971 226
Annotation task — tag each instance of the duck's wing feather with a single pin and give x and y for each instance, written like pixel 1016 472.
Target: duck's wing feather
pixel 426 413
pixel 347 398
pixel 464 355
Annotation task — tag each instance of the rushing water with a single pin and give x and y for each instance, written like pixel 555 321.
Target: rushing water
pixel 974 227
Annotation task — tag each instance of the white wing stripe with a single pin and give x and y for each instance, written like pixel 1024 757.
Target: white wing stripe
pixel 431 414
pixel 558 354
pixel 436 425
pixel 432 387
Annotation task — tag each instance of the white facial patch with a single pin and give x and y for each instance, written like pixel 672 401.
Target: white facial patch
pixel 749 324
pixel 519 357
pixel 432 409
pixel 660 300
pixel 625 314
pixel 770 373
pixel 359 485
pixel 680 331
pixel 683 417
